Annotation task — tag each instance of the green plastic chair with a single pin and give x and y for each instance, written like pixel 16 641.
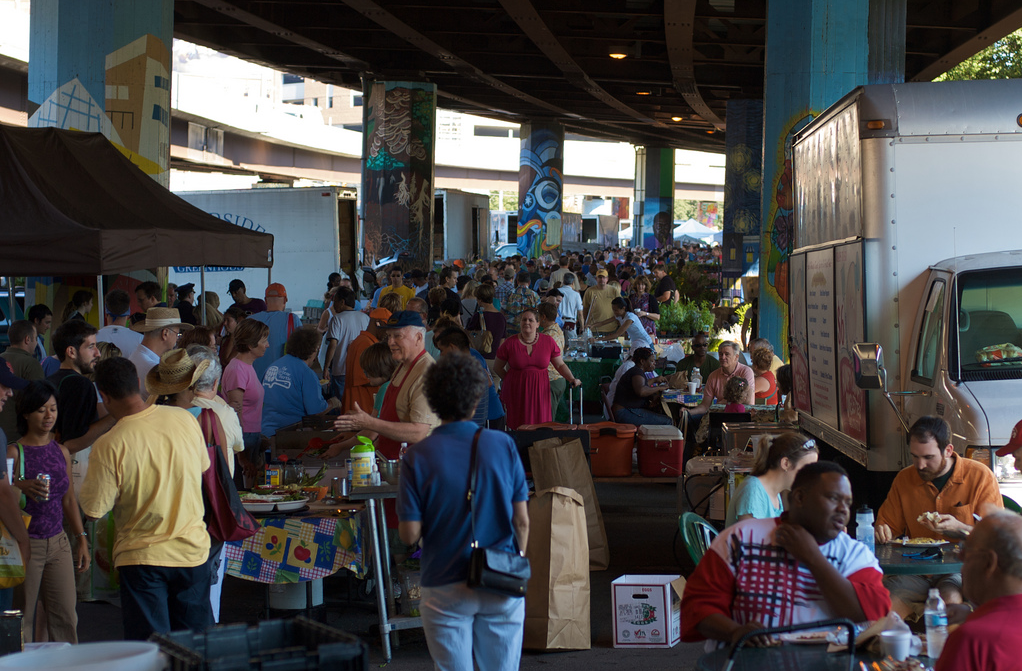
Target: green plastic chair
pixel 1009 504
pixel 697 534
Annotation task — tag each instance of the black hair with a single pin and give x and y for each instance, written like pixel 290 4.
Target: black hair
pixel 150 289
pixel 810 473
pixel 450 306
pixel 20 330
pixel 640 354
pixel 523 277
pixel 930 427
pixel 454 337
pixel 39 312
pixel 784 379
pixel 622 303
pixel 454 386
pixel 117 302
pixel 71 334
pixel 330 280
pixel 34 396
pixel 345 296
pixel 117 378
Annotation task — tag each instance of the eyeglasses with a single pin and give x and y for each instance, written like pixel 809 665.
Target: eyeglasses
pixel 700 345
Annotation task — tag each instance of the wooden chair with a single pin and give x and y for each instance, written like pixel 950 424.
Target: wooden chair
pixel 697 534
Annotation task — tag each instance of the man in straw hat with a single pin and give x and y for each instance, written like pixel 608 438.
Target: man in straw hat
pixel 148 470
pixel 174 376
pixel 160 331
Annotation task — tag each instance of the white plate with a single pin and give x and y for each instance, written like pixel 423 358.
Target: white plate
pixel 809 637
pixel 932 544
pixel 259 507
pixel 289 506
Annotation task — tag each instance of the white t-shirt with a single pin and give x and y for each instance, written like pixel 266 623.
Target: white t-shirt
pixel 344 327
pixel 122 337
pixel 144 360
pixel 571 304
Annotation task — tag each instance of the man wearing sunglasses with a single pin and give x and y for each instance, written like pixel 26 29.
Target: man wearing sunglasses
pixel 397 286
pixel 699 358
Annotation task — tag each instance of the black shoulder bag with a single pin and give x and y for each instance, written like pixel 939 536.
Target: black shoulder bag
pixel 491 569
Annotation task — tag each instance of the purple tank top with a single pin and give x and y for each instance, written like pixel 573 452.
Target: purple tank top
pixel 47 516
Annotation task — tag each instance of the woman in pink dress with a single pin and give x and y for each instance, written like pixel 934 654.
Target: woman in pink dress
pixel 522 362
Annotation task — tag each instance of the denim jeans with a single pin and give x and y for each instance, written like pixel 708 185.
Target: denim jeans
pixel 337 386
pixel 163 599
pixel 640 416
pixel 460 623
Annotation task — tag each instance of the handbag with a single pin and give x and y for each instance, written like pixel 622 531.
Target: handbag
pixel 226 519
pixel 12 565
pixel 492 569
pixel 482 340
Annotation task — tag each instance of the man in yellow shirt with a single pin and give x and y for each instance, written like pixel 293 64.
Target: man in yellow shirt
pixel 397 286
pixel 148 470
pixel 596 302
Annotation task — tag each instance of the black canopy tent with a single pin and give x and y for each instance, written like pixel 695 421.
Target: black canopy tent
pixel 72 204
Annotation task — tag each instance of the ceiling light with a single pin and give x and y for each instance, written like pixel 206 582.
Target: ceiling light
pixel 617 53
pixel 675 118
pixel 642 93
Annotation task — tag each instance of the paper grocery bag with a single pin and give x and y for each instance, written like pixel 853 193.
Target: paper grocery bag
pixel 563 464
pixel 557 601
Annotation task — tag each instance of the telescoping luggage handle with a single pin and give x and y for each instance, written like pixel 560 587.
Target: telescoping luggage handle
pixel 571 405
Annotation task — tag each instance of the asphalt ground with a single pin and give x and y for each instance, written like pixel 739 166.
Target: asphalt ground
pixel 641 523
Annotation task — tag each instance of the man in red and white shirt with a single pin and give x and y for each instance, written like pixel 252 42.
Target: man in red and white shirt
pixel 801 567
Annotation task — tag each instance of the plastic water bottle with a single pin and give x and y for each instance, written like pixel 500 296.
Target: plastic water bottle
pixel 935 616
pixel 864 532
pixel 697 377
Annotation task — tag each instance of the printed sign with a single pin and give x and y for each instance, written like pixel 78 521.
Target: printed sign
pixel 820 326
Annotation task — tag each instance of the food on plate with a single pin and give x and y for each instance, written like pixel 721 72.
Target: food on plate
pixel 921 540
pixel 933 518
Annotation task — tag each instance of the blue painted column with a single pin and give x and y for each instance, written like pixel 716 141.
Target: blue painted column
pixel 656 166
pixel 743 189
pixel 104 66
pixel 540 188
pixel 817 51
pixel 398 160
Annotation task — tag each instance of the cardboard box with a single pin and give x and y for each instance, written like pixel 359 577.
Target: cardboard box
pixel 647 610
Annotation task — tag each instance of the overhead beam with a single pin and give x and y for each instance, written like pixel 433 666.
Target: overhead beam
pixel 977 43
pixel 679 30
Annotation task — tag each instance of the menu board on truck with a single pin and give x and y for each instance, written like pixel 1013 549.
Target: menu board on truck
pixel 850 313
pixel 799 339
pixel 820 334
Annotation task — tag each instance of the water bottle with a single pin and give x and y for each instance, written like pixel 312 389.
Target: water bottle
pixel 697 377
pixel 935 616
pixel 864 532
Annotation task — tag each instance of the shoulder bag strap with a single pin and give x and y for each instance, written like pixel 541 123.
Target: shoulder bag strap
pixel 482 317
pixel 472 473
pixel 21 461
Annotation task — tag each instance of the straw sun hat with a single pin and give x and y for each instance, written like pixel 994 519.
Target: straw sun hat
pixel 160 318
pixel 175 372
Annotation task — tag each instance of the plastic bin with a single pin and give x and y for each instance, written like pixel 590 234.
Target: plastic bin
pixel 298 643
pixel 610 448
pixel 661 451
pixel 556 426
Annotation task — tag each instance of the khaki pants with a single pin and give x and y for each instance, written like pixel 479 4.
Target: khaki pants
pixel 557 388
pixel 50 578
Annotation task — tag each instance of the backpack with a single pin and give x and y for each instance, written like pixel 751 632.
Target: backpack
pixel 482 340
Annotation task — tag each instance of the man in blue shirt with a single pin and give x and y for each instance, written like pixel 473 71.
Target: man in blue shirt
pixel 291 389
pixel 281 322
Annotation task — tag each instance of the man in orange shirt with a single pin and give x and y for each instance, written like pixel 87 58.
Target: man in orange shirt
pixel 359 389
pixel 939 481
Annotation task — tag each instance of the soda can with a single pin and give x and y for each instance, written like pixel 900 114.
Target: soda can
pixel 45 479
pixel 10 632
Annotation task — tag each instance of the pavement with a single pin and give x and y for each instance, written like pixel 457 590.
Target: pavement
pixel 641 523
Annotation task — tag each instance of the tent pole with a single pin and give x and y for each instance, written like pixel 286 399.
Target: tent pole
pixel 202 295
pixel 10 301
pixel 100 300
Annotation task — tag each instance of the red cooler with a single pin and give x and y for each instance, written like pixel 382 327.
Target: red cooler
pixel 661 450
pixel 610 448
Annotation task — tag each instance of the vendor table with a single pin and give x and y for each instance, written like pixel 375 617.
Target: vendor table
pixel 787 657
pixel 894 562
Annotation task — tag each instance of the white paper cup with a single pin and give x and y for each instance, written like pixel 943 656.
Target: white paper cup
pixel 896 644
pixel 691 387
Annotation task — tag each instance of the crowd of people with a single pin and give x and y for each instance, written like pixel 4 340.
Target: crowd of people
pixel 431 366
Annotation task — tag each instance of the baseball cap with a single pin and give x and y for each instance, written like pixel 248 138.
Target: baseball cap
pixel 276 290
pixel 458 263
pixel 601 273
pixel 380 313
pixel 9 379
pixel 1014 442
pixel 186 289
pixel 234 286
pixel 404 318
pixel 416 274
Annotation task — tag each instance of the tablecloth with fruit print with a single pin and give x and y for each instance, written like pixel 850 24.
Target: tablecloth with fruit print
pixel 288 550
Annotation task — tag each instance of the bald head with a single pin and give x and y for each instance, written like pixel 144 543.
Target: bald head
pixel 992 565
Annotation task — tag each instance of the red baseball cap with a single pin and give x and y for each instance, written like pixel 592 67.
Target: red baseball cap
pixel 276 290
pixel 1014 442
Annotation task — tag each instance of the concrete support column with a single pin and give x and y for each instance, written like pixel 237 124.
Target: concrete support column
pixel 398 158
pixel 818 51
pixel 540 188
pixel 655 172
pixel 104 66
pixel 743 190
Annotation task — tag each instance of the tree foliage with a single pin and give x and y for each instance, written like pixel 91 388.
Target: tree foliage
pixel 1001 60
pixel 685 209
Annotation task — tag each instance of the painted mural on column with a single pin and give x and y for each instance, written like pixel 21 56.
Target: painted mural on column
pixel 743 186
pixel 658 210
pixel 540 189
pixel 135 111
pixel 398 171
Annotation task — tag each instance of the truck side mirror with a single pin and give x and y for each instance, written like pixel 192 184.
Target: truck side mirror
pixel 869 362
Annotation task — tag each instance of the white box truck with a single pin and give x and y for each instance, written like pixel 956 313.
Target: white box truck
pixel 907 206
pixel 314 234
pixel 461 225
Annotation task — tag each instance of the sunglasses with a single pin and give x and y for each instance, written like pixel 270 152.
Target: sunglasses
pixel 700 345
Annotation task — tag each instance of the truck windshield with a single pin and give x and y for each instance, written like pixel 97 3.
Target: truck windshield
pixel 988 319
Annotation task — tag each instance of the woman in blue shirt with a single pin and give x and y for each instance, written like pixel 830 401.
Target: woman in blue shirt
pixel 461 623
pixel 759 495
pixel 629 324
